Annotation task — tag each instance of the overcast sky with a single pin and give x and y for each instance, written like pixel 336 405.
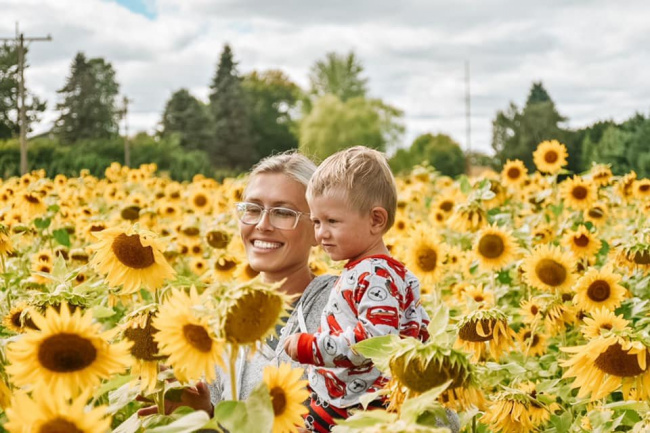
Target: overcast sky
pixel 592 56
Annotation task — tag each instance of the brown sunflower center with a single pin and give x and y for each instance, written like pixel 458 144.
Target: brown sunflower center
pixel 513 173
pixel 581 241
pixel 534 310
pixel 644 187
pixel 491 246
pixel 198 337
pixel 191 231
pixel 527 336
pixel 642 258
pixel 447 205
pixel 469 331
pixel 224 264
pixel 596 213
pixel 59 425
pixel 551 272
pixel 200 200
pixel 599 291
pixel 579 192
pixel 218 239
pixel 421 376
pixel 617 362
pixel 279 400
pixel 242 327
pixel 130 213
pixel 427 259
pixel 32 199
pixel 66 353
pixel 129 250
pixel 401 225
pixel 607 326
pixel 144 346
pixel 551 156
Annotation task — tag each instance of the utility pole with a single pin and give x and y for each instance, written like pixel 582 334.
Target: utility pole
pixel 468 121
pixel 125 112
pixel 19 40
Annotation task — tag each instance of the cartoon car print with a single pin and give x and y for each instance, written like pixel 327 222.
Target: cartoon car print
pixel 335 328
pixel 348 295
pixel 335 386
pixel 383 315
pixel 342 361
pixel 410 329
pixel 361 369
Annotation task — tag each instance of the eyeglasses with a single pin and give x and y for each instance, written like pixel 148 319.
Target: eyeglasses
pixel 279 217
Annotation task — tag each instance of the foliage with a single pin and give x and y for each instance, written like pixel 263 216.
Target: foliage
pixel 189 118
pixel 339 75
pixel 334 125
pixel 232 139
pixel 440 151
pixel 88 109
pixel 273 101
pixel 9 122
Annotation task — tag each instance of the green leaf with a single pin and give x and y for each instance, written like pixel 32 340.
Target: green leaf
pixel 465 186
pixel 504 277
pixel 131 425
pixel 53 208
pixel 62 237
pixel 122 396
pixel 378 349
pixel 187 424
pixel 102 312
pixel 562 422
pixel 255 415
pixel 42 223
pixel 439 321
pixel 114 383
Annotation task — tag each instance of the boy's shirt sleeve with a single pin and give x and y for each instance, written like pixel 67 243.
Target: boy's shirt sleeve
pixel 373 302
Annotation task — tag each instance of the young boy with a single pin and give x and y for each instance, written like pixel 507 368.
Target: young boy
pixel 352 199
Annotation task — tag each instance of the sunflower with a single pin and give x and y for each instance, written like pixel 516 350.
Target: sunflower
pixel 641 189
pixel 198 265
pixel 6 246
pixel 200 201
pixel 533 310
pixel 482 330
pixel 495 248
pixel 144 350
pixel 288 392
pixel 224 267
pixel 417 367
pixel 425 258
pixel 468 217
pixel 131 258
pixel 479 295
pixel 30 204
pixel 548 268
pixel 599 288
pixel 18 318
pixel 251 312
pixel 634 256
pixel 606 364
pixel 514 173
pixel 543 234
pixel 601 321
pixel 582 242
pixel 578 193
pixel 601 174
pixel 245 272
pixel 509 413
pixel 67 355
pixel 186 336
pixel 550 156
pixel 531 343
pixel 218 238
pixel 50 413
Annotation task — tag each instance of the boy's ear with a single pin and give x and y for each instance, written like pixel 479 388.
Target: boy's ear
pixel 378 220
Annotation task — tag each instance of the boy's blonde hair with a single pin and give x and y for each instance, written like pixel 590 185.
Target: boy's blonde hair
pixel 363 175
pixel 291 163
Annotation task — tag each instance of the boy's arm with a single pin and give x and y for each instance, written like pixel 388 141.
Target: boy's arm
pixel 378 313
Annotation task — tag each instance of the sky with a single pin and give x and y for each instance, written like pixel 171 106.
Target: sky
pixel 592 56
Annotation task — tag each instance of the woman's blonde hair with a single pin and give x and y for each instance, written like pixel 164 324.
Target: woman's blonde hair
pixel 291 163
pixel 363 175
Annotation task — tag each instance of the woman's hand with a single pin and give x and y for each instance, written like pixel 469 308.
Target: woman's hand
pixel 197 397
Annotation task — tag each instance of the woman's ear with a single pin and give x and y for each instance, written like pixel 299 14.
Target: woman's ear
pixel 378 220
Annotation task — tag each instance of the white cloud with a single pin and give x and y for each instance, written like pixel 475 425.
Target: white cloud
pixel 591 55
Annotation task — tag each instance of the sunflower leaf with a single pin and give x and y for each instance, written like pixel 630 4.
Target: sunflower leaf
pixel 379 349
pixel 187 424
pixel 62 237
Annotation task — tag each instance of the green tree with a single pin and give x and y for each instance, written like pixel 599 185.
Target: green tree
pixel 232 139
pixel 88 110
pixel 516 134
pixel 273 101
pixel 440 151
pixel 9 115
pixel 189 119
pixel 338 75
pixel 333 125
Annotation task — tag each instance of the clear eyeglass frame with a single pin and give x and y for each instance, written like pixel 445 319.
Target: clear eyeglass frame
pixel 281 218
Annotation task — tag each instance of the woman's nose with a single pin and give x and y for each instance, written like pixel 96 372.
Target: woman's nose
pixel 264 223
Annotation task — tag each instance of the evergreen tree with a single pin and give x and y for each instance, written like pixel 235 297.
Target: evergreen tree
pixel 88 109
pixel 9 114
pixel 537 94
pixel 189 119
pixel 232 139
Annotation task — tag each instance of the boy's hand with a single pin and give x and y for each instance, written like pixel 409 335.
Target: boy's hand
pixel 291 346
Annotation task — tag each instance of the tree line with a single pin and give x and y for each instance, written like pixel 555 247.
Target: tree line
pixel 250 116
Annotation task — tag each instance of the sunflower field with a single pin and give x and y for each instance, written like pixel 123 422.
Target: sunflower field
pixel 118 293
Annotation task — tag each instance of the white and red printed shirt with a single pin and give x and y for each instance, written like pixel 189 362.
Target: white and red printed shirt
pixel 374 296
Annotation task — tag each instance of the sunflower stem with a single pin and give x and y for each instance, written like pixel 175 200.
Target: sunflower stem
pixel 233 375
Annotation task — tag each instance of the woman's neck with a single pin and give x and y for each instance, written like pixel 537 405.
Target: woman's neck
pixel 295 281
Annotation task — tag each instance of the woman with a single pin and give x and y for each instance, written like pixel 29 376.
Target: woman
pixel 274 197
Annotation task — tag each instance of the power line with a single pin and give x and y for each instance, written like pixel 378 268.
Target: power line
pixel 19 41
pixel 125 112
